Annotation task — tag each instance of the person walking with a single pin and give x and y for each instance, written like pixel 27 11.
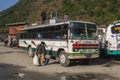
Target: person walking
pixel 41 51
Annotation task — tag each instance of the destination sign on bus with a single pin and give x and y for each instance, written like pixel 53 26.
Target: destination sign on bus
pixel 117 28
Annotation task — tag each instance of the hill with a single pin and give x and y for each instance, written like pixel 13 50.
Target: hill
pixel 101 12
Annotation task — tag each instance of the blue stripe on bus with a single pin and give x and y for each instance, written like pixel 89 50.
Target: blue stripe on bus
pixel 113 52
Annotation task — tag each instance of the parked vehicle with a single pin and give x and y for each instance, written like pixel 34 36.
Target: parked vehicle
pixel 112 39
pixel 66 41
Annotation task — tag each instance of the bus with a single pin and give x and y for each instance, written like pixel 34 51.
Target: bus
pixel 112 39
pixel 66 41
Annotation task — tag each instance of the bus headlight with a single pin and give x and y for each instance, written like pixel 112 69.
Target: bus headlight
pixel 75 50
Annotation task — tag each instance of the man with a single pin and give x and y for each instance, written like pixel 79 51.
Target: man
pixel 41 51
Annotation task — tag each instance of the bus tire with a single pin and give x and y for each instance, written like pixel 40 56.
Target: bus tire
pixel 63 59
pixel 30 52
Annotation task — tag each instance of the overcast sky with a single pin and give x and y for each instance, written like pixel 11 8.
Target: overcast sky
pixel 4 4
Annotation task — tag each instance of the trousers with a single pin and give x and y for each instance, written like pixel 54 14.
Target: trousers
pixel 42 58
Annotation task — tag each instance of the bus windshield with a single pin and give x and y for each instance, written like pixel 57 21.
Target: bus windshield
pixel 80 29
pixel 115 29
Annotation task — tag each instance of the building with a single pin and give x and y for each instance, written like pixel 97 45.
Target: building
pixel 15 27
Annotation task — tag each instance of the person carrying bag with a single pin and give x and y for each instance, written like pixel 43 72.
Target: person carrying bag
pixel 41 51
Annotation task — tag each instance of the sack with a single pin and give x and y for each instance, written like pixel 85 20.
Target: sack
pixel 46 61
pixel 36 60
pixel 47 57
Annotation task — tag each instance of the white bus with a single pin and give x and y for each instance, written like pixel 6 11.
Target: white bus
pixel 112 39
pixel 66 41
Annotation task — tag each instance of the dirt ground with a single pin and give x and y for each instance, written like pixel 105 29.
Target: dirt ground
pixel 15 64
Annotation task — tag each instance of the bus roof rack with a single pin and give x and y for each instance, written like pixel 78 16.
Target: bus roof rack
pixel 55 20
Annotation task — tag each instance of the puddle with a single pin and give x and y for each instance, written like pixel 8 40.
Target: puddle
pixel 85 76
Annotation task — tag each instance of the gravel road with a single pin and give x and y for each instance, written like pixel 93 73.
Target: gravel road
pixel 15 64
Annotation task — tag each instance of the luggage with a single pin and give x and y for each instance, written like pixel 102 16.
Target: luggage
pixel 46 61
pixel 36 60
pixel 47 57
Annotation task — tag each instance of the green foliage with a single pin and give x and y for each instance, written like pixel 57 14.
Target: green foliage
pixel 16 13
pixel 46 1
pixel 98 11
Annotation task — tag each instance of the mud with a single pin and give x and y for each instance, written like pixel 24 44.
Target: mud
pixel 85 76
pixel 111 63
pixel 13 72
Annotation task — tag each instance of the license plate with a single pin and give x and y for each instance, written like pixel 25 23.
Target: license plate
pixel 87 51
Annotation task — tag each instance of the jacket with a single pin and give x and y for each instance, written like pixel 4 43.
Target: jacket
pixel 41 49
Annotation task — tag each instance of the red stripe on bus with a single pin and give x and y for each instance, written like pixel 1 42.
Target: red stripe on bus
pixel 87 45
pixel 33 43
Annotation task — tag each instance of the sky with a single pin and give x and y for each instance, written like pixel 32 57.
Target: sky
pixel 4 4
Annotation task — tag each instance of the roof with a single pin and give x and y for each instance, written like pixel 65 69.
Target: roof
pixel 44 25
pixel 18 23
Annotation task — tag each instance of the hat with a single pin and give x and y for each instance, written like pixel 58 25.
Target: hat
pixel 42 42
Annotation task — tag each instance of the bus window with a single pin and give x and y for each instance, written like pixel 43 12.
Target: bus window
pixel 115 29
pixel 64 32
pixel 91 30
pixel 39 36
pixel 78 29
pixel 83 29
pixel 56 35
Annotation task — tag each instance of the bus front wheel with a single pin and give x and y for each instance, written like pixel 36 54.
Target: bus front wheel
pixel 30 52
pixel 63 59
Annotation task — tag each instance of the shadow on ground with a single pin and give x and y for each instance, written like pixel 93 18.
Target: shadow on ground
pixel 105 62
pixel 12 72
pixel 12 51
